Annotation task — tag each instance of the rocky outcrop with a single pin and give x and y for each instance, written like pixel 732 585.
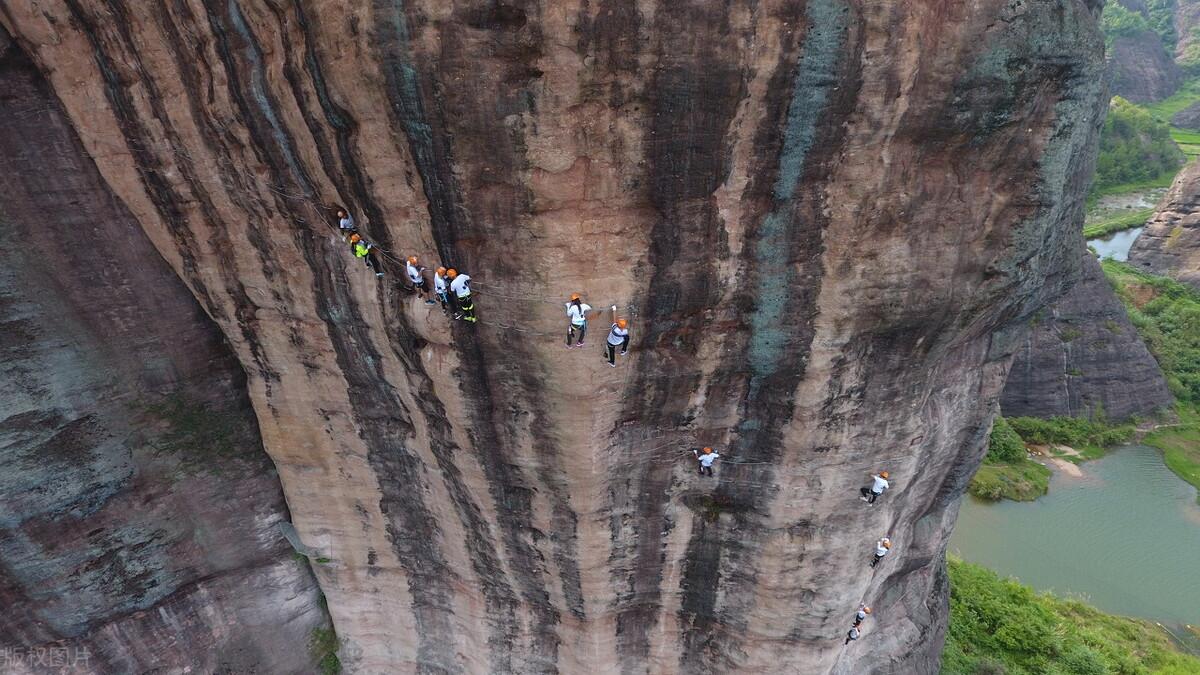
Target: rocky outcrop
pixel 1188 118
pixel 1187 20
pixel 1170 242
pixel 1083 358
pixel 1141 70
pixel 138 512
pixel 827 221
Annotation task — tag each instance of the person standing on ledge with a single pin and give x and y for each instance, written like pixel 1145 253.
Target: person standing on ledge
pixel 878 485
pixel 345 222
pixel 461 288
pixel 442 288
pixel 365 250
pixel 618 336
pixel 577 312
pixel 706 460
pixel 416 275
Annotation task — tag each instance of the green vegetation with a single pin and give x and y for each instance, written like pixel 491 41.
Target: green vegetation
pixel 323 646
pixel 1166 314
pixel 1089 436
pixel 1135 149
pixel 1007 471
pixel 1004 444
pixel 1115 223
pixel 1022 481
pixel 1164 110
pixel 1001 627
pixel 1116 21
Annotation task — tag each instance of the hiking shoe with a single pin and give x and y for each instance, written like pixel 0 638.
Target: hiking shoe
pixel 865 499
pixel 379 274
pixel 612 365
pixel 430 302
pixel 458 315
pixel 578 344
pixel 471 319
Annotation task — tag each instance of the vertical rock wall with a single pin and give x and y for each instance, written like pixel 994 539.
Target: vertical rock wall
pixel 1169 245
pixel 826 221
pixel 138 512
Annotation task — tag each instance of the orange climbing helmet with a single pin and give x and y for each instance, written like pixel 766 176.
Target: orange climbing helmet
pixel 441 271
pixel 707 450
pixel 883 474
pixel 354 238
pixel 887 543
pixel 412 260
pixel 451 272
pixel 867 610
pixel 574 297
pixel 622 323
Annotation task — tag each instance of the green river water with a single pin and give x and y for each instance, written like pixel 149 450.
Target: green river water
pixel 1124 537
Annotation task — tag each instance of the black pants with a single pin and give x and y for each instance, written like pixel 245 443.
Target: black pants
pixel 447 301
pixel 373 262
pixel 857 621
pixel 419 288
pixel 705 470
pixel 876 560
pixel 467 307
pixel 871 496
pixel 572 329
pixel 610 350
pixel 848 639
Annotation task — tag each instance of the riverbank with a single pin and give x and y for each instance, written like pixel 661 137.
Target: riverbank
pixel 1001 626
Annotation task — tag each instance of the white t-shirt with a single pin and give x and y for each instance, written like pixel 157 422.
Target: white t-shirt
pixel 578 314
pixel 861 615
pixel 708 459
pixel 346 223
pixel 460 286
pixel 414 273
pixel 879 485
pixel 616 336
pixel 880 549
pixel 439 284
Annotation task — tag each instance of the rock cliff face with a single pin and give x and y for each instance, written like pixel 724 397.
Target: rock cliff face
pixel 1170 243
pixel 828 223
pixel 138 511
pixel 1082 356
pixel 1141 70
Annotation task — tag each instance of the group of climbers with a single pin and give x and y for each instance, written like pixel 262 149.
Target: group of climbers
pixel 452 288
pixel 453 291
pixel 879 484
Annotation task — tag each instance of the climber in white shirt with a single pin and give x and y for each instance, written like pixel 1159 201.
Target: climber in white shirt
pixel 706 459
pixel 882 547
pixel 618 336
pixel 577 312
pixel 460 286
pixel 878 485
pixel 416 274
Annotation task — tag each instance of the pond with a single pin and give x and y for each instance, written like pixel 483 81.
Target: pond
pixel 1115 245
pixel 1124 536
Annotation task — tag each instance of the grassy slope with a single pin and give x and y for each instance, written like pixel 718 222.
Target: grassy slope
pixel 1167 316
pixel 1164 110
pixel 1001 626
pixel 1116 223
pixel 1021 481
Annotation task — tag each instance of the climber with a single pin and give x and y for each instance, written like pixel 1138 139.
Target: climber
pixel 618 336
pixel 442 289
pixel 870 494
pixel 460 286
pixel 577 311
pixel 706 460
pixel 416 274
pixel 852 635
pixel 882 547
pixel 345 222
pixel 861 615
pixel 365 250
